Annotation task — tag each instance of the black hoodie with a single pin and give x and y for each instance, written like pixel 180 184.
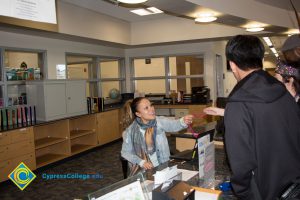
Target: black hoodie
pixel 262 136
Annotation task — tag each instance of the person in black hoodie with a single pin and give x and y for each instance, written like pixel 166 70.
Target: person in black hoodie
pixel 262 125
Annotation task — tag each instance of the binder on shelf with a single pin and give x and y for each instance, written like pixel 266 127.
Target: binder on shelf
pixel 30 115
pixel 89 107
pixel 13 116
pixel 6 118
pixel 95 104
pixel 34 114
pixel 1 120
pixel 100 104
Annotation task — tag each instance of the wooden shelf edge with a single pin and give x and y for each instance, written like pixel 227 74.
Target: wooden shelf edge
pixel 48 158
pixel 75 134
pixel 44 142
pixel 78 148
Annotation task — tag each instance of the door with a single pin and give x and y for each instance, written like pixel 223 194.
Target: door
pixel 219 76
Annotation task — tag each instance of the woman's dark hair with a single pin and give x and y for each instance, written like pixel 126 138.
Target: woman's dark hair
pixel 135 103
pixel 246 51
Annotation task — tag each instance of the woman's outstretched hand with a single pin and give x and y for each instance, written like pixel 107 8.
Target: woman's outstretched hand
pixel 214 111
pixel 188 119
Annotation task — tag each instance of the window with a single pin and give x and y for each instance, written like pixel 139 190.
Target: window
pixel 102 74
pixel 112 75
pixel 149 67
pixel 186 72
pixel 23 64
pixel 149 75
pixel 163 74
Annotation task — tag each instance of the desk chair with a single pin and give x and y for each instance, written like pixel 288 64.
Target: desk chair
pixel 124 164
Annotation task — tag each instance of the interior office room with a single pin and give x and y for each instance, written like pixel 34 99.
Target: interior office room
pixel 65 78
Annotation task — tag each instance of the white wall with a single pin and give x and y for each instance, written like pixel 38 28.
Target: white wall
pixel 55 48
pixel 177 29
pixel 82 22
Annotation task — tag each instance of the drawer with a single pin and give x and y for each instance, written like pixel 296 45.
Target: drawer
pixel 5 168
pixel 4 138
pixel 20 148
pixel 4 155
pixel 28 160
pixel 21 134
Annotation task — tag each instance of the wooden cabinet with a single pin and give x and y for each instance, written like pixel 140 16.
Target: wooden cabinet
pixel 83 133
pixel 51 142
pixel 16 146
pixel 57 98
pixel 108 126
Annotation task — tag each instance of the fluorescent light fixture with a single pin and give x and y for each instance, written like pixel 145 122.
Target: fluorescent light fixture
pixel 273 50
pixel 147 11
pixel 268 41
pixel 141 12
pixel 255 29
pixel 132 1
pixel 205 17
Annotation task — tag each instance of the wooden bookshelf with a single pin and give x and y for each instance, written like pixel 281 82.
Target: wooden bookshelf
pixel 44 142
pixel 78 133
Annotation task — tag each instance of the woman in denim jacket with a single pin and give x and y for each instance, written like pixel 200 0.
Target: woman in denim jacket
pixel 145 144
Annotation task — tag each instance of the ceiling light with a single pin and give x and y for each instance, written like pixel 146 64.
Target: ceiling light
pixel 268 41
pixel 205 17
pixel 273 50
pixel 141 12
pixel 147 11
pixel 255 29
pixel 155 10
pixel 132 1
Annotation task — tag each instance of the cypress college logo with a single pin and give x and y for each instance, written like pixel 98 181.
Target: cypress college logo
pixel 22 176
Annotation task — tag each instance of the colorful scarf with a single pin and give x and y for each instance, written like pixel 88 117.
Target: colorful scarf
pixel 143 145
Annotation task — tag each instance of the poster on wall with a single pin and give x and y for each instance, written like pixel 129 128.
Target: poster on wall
pixel 34 10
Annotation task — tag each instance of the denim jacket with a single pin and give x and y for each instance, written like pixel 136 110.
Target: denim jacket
pixel 162 147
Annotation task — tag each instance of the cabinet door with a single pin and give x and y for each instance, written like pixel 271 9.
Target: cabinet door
pixel 76 97
pixel 55 100
pixel 108 126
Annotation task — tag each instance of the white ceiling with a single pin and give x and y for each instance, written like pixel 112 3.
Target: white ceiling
pixel 179 8
pixel 284 4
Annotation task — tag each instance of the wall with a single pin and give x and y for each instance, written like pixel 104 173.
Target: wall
pixel 55 48
pixel 82 22
pixel 177 29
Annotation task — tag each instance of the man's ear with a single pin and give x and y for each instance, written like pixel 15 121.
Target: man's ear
pixel 233 66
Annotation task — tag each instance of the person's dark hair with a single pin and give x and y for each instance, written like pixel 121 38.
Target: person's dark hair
pixel 246 51
pixel 135 103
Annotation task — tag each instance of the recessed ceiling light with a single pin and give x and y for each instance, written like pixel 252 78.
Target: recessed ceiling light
pixel 147 11
pixel 155 10
pixel 205 17
pixel 255 29
pixel 132 1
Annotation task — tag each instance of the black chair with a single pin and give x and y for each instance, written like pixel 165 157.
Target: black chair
pixel 124 164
